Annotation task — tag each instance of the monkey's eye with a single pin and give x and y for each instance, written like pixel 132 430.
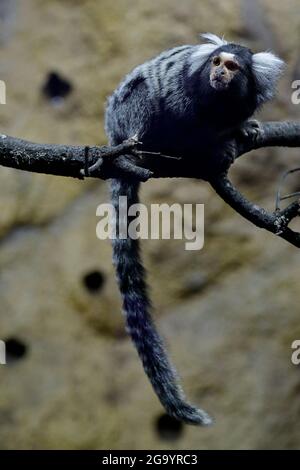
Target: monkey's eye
pixel 216 61
pixel 231 65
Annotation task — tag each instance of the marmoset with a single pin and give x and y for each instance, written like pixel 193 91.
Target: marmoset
pixel 181 103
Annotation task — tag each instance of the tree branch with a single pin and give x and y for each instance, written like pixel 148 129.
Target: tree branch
pixel 69 160
pixel 53 159
pixel 272 134
pixel 126 159
pixel 276 222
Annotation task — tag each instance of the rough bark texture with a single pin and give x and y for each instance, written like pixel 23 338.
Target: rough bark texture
pixel 68 160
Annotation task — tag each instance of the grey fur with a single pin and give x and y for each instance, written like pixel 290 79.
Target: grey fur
pixel 169 104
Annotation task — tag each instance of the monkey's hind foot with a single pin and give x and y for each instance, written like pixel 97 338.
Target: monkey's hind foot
pixel 126 165
pixel 250 129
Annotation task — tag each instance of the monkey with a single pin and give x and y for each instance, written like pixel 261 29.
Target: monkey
pixel 181 103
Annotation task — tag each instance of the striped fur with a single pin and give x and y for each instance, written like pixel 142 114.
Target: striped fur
pixel 169 104
pixel 140 326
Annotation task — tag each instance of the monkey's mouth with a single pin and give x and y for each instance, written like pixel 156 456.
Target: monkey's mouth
pixel 219 83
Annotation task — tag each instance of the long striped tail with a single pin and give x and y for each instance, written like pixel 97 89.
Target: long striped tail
pixel 140 326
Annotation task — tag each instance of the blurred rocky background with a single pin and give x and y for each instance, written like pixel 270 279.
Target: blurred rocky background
pixel 229 313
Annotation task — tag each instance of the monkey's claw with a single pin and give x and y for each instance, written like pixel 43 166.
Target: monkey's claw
pixel 251 129
pixel 134 140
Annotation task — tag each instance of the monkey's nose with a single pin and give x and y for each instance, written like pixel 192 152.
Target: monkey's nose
pixel 220 73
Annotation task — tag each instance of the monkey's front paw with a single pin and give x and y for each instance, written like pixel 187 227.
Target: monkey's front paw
pixel 250 130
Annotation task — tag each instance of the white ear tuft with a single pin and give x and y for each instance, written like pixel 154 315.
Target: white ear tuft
pixel 214 39
pixel 203 51
pixel 267 69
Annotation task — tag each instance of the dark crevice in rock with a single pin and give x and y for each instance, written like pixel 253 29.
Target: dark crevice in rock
pixel 93 281
pixel 168 428
pixel 56 88
pixel 15 349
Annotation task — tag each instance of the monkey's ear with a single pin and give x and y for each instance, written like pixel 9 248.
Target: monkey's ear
pixel 202 52
pixel 267 69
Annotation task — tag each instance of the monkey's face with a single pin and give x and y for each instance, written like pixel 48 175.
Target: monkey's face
pixel 223 69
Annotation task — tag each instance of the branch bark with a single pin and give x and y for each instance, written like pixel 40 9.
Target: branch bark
pixel 276 222
pixel 53 159
pixel 110 162
pixel 69 160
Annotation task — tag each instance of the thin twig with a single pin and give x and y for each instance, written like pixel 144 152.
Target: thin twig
pixel 280 198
